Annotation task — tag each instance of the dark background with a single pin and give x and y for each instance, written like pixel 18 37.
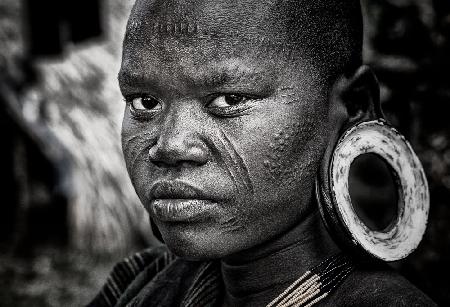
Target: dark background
pixel 68 211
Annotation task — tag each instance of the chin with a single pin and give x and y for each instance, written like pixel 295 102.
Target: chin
pixel 197 246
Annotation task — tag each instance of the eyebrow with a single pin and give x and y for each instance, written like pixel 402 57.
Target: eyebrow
pixel 225 77
pixel 211 78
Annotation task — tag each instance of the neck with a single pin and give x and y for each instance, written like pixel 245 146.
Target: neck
pixel 257 275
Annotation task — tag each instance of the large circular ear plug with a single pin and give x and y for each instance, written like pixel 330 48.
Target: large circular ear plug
pixel 402 236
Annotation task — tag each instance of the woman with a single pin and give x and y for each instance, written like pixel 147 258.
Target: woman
pixel 233 108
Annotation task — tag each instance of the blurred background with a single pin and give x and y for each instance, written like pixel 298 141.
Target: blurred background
pixel 69 212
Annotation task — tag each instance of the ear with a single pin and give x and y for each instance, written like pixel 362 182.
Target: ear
pixel 359 95
pixel 355 98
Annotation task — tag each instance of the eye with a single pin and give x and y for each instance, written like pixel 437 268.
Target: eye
pixel 225 101
pixel 145 103
pixel 144 106
pixel 230 105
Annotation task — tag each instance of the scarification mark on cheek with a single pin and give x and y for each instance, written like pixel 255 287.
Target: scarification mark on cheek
pixel 128 145
pixel 135 149
pixel 281 143
pixel 231 224
pixel 224 160
pixel 239 164
pixel 287 146
pixel 231 161
pixel 288 94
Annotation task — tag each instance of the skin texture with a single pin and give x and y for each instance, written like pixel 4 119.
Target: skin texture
pixel 254 161
pixel 249 163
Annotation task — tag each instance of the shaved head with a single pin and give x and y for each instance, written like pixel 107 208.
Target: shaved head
pixel 325 33
pixel 230 109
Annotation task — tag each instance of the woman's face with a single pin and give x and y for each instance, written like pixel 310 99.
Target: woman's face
pixel 222 143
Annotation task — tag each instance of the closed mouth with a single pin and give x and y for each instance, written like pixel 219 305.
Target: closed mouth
pixel 175 190
pixel 182 210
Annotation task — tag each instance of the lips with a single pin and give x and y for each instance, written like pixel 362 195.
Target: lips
pixel 175 190
pixel 175 201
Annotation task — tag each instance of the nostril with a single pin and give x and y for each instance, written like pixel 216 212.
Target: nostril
pixel 190 163
pixel 158 164
pixel 184 155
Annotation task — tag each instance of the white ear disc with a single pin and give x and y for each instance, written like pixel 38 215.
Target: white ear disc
pixel 403 235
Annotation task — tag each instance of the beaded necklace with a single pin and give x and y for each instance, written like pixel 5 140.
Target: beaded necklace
pixel 312 287
pixel 315 284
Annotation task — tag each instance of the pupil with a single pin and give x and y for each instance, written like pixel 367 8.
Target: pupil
pixel 233 99
pixel 149 103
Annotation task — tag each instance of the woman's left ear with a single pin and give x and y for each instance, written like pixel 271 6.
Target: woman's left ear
pixel 359 93
pixel 358 128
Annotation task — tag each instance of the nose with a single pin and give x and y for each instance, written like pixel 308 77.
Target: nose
pixel 179 142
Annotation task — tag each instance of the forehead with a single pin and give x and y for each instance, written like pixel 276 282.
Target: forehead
pixel 176 36
pixel 201 27
pixel 214 18
pixel 250 25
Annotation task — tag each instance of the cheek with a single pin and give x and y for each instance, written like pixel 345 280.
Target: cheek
pixel 282 157
pixel 135 145
pixel 293 151
pixel 233 163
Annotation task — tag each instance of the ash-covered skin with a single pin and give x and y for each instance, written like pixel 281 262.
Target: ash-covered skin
pixel 258 161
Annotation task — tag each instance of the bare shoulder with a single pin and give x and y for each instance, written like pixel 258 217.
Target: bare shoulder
pixel 378 286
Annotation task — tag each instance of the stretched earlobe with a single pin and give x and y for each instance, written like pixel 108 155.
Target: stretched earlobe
pixel 403 235
pixel 360 129
pixel 359 92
